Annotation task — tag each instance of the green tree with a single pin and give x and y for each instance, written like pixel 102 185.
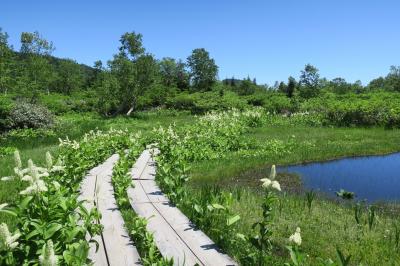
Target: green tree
pixel 131 45
pixel 132 73
pixel 6 62
pixel 393 79
pixel 340 86
pixel 35 50
pixel 282 87
pixel 291 87
pixel 69 76
pixel 169 72
pixel 203 70
pixel 183 77
pixel 246 87
pixel 309 82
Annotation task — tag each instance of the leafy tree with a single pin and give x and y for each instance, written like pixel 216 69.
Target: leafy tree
pixel 291 87
pixel 69 77
pixel 132 73
pixel 376 84
pixel 169 72
pixel 246 87
pixel 6 59
pixel 309 82
pixel 282 87
pixel 131 45
pixel 340 86
pixel 34 48
pixel 183 77
pixel 203 70
pixel 393 78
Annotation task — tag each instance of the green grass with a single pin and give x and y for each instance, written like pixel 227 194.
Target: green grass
pixel 312 144
pixel 74 126
pixel 330 224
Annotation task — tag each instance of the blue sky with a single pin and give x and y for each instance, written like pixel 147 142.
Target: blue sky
pixel 269 40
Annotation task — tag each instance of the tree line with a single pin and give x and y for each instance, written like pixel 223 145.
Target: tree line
pixel 134 77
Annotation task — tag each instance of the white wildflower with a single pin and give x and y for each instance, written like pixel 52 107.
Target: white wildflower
pixel 57 168
pixel 36 187
pixel 17 159
pixel 7 178
pixel 48 258
pixel 296 237
pixel 276 185
pixel 49 160
pixel 3 205
pixel 7 241
pixel 272 174
pixel 266 182
pixel 56 185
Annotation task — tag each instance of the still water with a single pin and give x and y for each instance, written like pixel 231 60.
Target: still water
pixel 373 178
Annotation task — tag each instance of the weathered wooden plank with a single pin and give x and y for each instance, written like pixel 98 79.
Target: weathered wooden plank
pixel 167 241
pixel 119 248
pixel 199 243
pixel 87 193
pixel 140 164
pixel 174 234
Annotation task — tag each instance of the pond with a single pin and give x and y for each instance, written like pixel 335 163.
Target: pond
pixel 371 178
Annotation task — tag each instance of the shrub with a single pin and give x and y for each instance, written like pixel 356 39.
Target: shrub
pixel 27 115
pixel 6 104
pixel 200 103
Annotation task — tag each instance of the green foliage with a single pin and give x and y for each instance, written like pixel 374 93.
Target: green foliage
pixel 27 115
pixel 200 103
pixel 310 196
pixel 203 70
pixel 48 207
pixel 309 82
pixel 371 109
pixel 347 195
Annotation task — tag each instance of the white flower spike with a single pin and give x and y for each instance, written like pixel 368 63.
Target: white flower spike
pixel 48 258
pixel 272 174
pixel 7 241
pixel 276 185
pixel 266 182
pixel 17 159
pixel 296 237
pixel 49 160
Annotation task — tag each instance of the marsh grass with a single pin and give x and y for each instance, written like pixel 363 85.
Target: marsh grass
pixel 74 126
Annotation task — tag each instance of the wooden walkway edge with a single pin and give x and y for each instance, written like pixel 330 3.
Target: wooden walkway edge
pixel 175 235
pixel 115 247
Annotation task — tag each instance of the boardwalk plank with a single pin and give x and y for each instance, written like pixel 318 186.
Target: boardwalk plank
pixel 115 247
pixel 120 250
pixel 174 234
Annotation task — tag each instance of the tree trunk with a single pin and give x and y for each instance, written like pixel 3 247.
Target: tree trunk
pixel 129 111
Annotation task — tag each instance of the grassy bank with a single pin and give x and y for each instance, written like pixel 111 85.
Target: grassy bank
pixel 299 144
pixel 329 224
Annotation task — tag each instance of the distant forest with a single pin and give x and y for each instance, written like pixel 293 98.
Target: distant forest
pixel 134 79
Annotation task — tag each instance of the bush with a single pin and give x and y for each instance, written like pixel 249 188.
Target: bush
pixel 6 105
pixel 27 115
pixel 369 109
pixel 200 103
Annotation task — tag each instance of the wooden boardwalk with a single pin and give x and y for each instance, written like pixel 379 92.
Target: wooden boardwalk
pixel 175 235
pixel 115 247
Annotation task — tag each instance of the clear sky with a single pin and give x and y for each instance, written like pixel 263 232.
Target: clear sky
pixel 269 40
